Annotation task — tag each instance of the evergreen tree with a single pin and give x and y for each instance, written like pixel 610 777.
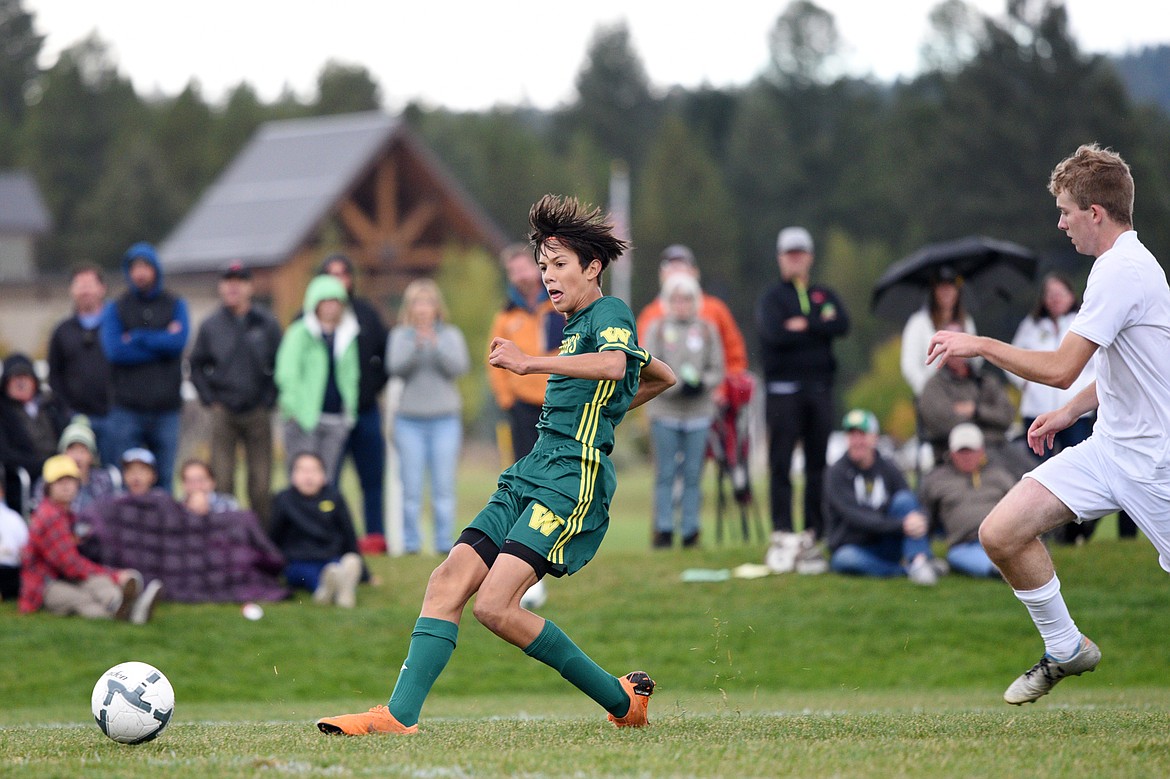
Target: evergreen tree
pixel 84 103
pixel 343 89
pixel 183 136
pixel 614 104
pixel 681 198
pixel 804 45
pixel 241 116
pixel 19 48
pixel 135 199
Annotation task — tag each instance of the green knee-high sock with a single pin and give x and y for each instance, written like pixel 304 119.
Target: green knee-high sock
pixel 431 645
pixel 553 648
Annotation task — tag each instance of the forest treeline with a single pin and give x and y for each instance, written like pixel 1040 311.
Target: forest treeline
pixel 873 169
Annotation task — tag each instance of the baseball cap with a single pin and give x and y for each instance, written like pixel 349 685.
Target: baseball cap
pixel 336 257
pixel 138 455
pixel 860 419
pixel 58 467
pixel 677 253
pixel 794 239
pixel 965 435
pixel 77 432
pixel 237 270
pixel 19 365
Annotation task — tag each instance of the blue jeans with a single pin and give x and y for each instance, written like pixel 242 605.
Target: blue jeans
pixel 305 574
pixel 368 449
pixel 157 431
pixel 428 446
pixel 883 558
pixel 679 454
pixel 969 558
pixel 104 435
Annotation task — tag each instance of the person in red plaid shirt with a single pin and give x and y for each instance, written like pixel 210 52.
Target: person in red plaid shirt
pixel 54 575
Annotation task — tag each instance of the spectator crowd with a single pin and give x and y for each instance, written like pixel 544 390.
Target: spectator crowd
pixel 89 454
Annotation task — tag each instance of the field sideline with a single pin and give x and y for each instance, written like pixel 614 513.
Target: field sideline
pixel 781 676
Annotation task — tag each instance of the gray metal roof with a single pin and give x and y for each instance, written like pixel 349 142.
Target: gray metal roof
pixel 275 192
pixel 21 208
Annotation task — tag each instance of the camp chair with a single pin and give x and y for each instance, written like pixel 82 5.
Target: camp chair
pixel 729 444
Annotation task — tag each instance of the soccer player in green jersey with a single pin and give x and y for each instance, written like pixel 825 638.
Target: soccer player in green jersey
pixel 551 509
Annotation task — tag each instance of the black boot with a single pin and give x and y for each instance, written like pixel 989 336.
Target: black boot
pixel 663 539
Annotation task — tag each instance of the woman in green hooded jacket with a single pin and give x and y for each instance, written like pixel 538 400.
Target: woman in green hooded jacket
pixel 317 373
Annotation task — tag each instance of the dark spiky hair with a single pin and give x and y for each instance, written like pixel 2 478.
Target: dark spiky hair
pixel 576 226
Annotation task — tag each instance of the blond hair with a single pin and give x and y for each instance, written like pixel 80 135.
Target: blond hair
pixel 416 290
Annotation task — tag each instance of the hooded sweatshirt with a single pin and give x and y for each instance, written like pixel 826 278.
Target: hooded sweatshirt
pixel 42 419
pixel 303 360
pixel 146 358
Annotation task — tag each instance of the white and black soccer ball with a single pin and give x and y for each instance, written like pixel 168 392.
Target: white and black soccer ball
pixel 133 702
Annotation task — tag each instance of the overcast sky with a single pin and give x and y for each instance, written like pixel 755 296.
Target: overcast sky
pixel 473 55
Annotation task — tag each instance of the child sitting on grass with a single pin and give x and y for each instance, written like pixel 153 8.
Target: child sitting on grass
pixel 312 527
pixel 57 578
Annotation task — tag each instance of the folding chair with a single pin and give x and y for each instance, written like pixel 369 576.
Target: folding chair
pixel 729 445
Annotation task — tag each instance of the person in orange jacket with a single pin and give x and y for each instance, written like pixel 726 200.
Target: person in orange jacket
pixel 529 320
pixel 680 259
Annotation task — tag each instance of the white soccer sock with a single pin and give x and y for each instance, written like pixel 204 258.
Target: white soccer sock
pixel 1061 637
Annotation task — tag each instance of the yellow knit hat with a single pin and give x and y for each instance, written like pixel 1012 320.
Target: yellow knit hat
pixel 58 467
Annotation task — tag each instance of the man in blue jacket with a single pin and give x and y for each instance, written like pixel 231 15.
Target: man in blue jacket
pixel 143 333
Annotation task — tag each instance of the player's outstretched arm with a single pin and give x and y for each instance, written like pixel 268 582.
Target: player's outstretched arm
pixel 656 377
pixel 609 365
pixel 1059 368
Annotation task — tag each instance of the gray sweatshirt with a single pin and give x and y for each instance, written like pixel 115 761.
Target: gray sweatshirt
pixel 428 370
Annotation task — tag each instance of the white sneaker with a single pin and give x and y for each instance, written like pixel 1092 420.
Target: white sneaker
pixel 810 556
pixel 1039 681
pixel 326 592
pixel 348 575
pixel 781 554
pixel 922 572
pixel 143 608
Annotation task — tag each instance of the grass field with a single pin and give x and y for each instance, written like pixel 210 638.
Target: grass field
pixel 781 676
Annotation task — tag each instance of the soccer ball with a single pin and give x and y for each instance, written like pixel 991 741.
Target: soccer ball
pixel 132 702
pixel 535 597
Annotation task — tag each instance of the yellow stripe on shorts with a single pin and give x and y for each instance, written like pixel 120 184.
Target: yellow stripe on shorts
pixel 590 465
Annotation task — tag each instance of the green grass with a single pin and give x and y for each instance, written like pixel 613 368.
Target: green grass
pixel 781 676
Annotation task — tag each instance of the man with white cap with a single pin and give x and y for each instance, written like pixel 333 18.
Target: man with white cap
pixel 959 493
pixel 797 322
pixel 677 258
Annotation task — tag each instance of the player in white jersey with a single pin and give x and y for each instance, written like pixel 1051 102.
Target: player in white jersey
pixel 1124 325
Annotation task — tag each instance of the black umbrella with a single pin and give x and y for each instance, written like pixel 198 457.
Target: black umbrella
pixel 998 282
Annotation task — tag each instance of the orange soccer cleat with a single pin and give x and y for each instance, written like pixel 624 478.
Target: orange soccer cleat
pixel 376 720
pixel 639 686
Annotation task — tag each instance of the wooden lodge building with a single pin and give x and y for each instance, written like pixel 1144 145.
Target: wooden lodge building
pixel 303 189
pixel 299 190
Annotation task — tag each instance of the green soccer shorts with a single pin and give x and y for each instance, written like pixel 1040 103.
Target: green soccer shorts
pixel 555 501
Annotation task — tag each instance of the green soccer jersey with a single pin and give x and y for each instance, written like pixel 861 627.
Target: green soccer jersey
pixel 588 410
